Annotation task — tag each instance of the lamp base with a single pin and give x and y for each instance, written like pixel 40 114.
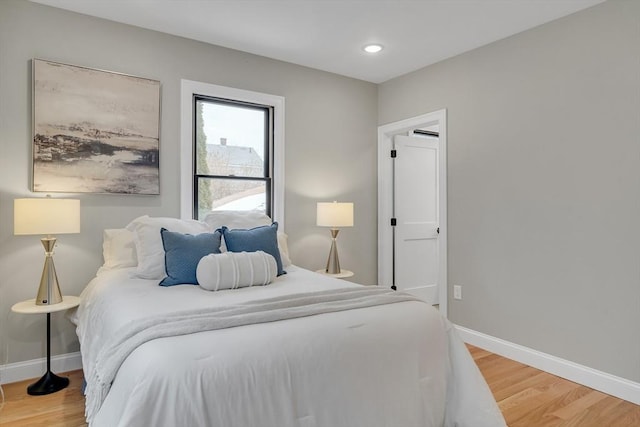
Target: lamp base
pixel 49 383
pixel 333 263
pixel 49 290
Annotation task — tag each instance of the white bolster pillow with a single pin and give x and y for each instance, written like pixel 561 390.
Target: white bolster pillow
pixel 231 270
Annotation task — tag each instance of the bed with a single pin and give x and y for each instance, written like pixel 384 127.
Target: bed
pixel 306 350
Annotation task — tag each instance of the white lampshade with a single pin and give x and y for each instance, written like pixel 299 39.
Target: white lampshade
pixel 334 214
pixel 46 216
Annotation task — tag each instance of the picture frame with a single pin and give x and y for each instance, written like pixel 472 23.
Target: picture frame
pixel 94 131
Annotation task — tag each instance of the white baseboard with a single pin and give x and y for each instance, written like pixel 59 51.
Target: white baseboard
pixel 19 371
pixel 598 380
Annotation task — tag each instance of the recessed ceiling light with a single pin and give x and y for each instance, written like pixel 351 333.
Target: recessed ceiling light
pixel 372 48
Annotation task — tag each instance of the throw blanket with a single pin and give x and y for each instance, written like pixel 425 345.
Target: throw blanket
pixel 118 347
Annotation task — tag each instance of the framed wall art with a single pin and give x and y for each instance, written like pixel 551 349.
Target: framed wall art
pixel 94 131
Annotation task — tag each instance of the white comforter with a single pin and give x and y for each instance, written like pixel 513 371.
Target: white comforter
pixel 390 365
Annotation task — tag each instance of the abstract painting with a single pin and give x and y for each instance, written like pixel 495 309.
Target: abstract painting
pixel 94 131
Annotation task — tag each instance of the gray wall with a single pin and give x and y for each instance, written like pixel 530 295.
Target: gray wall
pixel 544 184
pixel 330 152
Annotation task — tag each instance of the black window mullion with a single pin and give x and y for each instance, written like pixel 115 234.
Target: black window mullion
pixel 194 158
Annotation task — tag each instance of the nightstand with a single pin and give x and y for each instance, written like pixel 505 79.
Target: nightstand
pixel 342 275
pixel 50 382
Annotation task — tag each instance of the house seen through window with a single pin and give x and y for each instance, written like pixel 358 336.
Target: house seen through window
pixel 232 156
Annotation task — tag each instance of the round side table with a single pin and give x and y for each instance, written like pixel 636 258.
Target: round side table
pixel 342 275
pixel 50 382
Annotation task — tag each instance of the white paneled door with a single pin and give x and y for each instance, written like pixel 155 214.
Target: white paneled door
pixel 416 212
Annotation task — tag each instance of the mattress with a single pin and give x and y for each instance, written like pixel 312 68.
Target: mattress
pixel 398 364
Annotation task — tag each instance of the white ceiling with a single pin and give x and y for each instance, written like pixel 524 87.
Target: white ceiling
pixel 329 34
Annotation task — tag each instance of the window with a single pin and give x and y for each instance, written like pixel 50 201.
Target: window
pixel 232 151
pixel 232 164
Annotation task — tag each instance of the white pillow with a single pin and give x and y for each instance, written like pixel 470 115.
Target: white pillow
pixel 149 248
pixel 284 249
pixel 236 219
pixel 231 270
pixel 118 248
pixel 246 220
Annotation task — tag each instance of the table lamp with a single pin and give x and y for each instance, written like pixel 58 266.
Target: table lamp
pixel 334 215
pixel 47 216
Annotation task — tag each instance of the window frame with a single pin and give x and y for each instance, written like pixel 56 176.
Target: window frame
pixel 189 90
pixel 267 175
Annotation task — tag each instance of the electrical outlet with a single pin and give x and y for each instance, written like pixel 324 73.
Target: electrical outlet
pixel 457 292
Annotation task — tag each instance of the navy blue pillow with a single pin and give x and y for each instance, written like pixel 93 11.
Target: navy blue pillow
pixel 263 238
pixel 183 252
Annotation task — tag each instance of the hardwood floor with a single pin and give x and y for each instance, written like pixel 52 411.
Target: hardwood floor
pixel 527 397
pixel 62 409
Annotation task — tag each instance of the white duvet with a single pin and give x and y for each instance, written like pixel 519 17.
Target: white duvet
pixel 393 365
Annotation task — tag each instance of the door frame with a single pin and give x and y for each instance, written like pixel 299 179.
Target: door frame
pixel 385 197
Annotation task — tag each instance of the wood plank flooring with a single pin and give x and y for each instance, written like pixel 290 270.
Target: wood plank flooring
pixel 527 397
pixel 61 409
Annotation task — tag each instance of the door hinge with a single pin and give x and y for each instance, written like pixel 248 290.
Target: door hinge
pixel 393 222
pixel 394 154
pixel 438 230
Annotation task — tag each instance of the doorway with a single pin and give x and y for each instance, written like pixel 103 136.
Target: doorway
pixel 412 232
